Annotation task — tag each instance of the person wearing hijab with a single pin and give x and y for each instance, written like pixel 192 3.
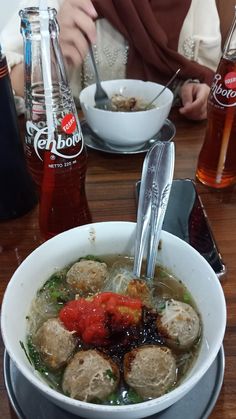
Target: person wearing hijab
pixel 148 40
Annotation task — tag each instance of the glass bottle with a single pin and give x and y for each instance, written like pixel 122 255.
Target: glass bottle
pixel 58 164
pixel 17 192
pixel 217 159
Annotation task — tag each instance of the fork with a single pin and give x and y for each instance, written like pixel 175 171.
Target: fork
pixel 102 100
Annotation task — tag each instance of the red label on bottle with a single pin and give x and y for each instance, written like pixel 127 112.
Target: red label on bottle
pixel 230 80
pixel 68 123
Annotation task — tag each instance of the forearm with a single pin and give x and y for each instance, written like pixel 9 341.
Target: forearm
pixel 17 79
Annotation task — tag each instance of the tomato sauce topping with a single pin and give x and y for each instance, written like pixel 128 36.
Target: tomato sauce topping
pixel 96 319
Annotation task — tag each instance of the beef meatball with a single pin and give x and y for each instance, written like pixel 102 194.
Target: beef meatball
pixel 123 283
pixel 87 276
pixel 180 323
pixel 55 343
pixel 138 288
pixel 90 376
pixel 150 370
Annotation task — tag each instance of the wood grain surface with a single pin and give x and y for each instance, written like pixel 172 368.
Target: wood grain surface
pixel 110 186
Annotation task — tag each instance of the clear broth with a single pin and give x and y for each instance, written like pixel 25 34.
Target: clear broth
pixel 56 292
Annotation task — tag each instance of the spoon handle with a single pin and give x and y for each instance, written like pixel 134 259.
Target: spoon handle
pixel 164 88
pixel 157 170
pixel 144 213
pixel 160 195
pixel 93 62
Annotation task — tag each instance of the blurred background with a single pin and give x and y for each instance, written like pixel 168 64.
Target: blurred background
pixel 6 11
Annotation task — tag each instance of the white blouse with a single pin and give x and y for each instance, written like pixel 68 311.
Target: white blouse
pixel 199 40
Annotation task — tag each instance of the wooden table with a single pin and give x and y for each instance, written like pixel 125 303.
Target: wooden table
pixel 111 193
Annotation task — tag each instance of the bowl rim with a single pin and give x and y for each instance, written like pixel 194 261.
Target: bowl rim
pixel 175 394
pixel 104 82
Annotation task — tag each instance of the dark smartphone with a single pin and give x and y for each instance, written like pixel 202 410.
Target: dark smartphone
pixel 186 218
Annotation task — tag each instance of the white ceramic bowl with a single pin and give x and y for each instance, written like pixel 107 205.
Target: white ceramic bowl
pixel 127 129
pixel 108 238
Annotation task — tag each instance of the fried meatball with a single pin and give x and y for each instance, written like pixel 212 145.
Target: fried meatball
pixel 150 370
pixel 180 323
pixel 124 283
pixel 55 343
pixel 138 288
pixel 90 376
pixel 87 276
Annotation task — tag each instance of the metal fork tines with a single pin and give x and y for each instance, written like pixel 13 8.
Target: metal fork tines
pixel 102 99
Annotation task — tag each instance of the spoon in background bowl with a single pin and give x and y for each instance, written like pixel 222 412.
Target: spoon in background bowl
pixel 101 98
pixel 162 90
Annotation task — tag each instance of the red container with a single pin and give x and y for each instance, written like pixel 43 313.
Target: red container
pixel 217 159
pixel 54 146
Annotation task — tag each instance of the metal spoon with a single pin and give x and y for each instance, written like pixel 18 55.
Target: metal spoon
pixel 157 175
pixel 164 88
pixel 101 98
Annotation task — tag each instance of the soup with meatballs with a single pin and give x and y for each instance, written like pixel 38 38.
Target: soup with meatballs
pixel 98 336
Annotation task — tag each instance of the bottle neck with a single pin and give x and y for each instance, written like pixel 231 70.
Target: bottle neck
pixel 229 51
pixel 30 23
pixel 31 20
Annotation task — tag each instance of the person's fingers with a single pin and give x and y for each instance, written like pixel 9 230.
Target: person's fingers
pixel 77 27
pixel 72 56
pixel 196 110
pixel 74 45
pixel 187 93
pixel 85 5
pixel 85 24
pixel 195 115
pixel 195 101
pixel 75 17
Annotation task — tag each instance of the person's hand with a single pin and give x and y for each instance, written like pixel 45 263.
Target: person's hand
pixel 77 26
pixel 194 100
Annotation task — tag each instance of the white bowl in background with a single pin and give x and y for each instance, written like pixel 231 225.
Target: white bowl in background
pixel 109 238
pixel 127 129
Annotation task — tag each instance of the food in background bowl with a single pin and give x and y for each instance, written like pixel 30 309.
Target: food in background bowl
pixel 108 238
pixel 122 129
pixel 121 103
